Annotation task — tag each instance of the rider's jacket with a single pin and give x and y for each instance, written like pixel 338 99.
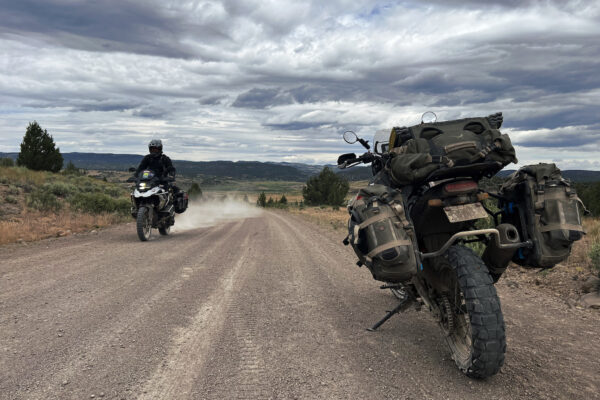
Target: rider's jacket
pixel 161 165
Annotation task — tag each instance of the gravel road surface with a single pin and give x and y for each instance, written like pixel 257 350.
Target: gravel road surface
pixel 255 308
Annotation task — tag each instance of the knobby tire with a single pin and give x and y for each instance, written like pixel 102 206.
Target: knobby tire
pixel 488 338
pixel 144 224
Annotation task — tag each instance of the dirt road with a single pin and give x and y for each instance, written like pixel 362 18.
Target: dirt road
pixel 256 308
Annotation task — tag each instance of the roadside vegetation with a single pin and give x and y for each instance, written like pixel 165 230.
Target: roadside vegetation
pixel 40 204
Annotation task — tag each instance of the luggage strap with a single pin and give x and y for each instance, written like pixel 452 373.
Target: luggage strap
pixel 577 199
pixel 387 246
pixel 376 218
pixel 438 154
pixel 560 196
pixel 460 146
pixel 556 227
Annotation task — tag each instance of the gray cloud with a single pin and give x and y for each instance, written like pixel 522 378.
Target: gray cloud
pixel 296 125
pixel 261 98
pixel 283 80
pixel 139 27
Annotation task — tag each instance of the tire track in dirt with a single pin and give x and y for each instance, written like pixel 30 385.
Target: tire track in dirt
pixel 352 302
pixel 175 377
pixel 88 344
pixel 250 375
pixel 270 307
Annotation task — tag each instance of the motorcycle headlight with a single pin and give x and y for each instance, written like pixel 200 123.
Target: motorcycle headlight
pixel 143 186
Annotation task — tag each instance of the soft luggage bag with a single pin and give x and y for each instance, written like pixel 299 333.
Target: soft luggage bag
pixel 380 234
pixel 181 202
pixel 546 210
pixel 421 149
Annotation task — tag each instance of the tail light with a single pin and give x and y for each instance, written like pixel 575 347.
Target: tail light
pixel 461 187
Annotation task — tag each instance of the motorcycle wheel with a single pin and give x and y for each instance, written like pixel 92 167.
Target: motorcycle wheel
pixel 164 231
pixel 472 320
pixel 144 224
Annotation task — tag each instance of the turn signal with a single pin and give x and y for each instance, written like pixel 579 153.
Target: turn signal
pixel 435 202
pixel 482 196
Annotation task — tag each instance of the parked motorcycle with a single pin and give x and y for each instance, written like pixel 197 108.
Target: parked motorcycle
pixel 414 237
pixel 153 204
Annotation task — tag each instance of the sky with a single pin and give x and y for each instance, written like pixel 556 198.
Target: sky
pixel 282 80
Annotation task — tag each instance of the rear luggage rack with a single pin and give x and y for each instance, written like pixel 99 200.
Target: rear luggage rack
pixel 490 231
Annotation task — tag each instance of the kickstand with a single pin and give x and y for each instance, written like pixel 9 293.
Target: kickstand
pixel 404 304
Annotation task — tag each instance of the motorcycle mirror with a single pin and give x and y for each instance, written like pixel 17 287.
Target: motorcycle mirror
pixel 428 118
pixel 350 137
pixel 131 169
pixel 345 157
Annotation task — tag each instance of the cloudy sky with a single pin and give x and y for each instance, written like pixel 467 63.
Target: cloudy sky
pixel 281 80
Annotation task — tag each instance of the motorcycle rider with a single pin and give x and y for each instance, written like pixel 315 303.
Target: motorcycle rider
pixel 159 163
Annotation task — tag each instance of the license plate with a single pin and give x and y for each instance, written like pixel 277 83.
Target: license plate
pixel 465 212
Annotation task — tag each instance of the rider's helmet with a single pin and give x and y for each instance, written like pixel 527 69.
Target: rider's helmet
pixel 155 147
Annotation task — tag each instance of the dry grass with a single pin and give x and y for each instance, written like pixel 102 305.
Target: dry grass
pixel 20 175
pixel 580 259
pixel 21 223
pixel 324 216
pixel 34 225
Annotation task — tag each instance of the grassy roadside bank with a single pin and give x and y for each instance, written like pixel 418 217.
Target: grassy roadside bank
pixel 37 204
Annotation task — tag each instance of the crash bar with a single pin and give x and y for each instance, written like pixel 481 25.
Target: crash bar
pixel 490 231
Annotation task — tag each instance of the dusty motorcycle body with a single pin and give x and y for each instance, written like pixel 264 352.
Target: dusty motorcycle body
pixel 152 205
pixel 438 216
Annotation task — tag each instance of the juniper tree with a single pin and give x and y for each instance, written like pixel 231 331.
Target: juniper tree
pixel 262 200
pixel 194 191
pixel 38 151
pixel 327 188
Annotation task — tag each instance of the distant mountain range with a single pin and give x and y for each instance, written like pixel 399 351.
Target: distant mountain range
pixel 239 170
pixel 250 170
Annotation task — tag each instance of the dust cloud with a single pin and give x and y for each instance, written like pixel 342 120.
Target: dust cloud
pixel 206 213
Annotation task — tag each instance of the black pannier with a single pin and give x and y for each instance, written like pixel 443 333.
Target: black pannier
pixel 545 209
pixel 380 234
pixel 181 202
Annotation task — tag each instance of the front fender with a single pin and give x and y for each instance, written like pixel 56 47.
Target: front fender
pixel 148 193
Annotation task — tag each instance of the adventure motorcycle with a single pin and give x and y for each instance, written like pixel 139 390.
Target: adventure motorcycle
pixel 153 204
pixel 426 262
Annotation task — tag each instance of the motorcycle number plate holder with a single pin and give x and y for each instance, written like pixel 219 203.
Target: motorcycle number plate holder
pixel 465 212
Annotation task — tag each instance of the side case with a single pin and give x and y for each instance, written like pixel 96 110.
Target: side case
pixel 181 202
pixel 380 234
pixel 546 210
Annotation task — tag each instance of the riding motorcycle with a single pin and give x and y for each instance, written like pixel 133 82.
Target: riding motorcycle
pixel 427 263
pixel 153 204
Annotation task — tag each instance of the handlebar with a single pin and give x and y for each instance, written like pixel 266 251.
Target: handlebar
pixel 366 158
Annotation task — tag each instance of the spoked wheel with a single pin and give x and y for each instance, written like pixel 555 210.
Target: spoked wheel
pixel 144 223
pixel 471 318
pixel 164 231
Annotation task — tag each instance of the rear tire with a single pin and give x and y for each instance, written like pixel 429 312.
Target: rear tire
pixel 164 231
pixel 144 224
pixel 476 336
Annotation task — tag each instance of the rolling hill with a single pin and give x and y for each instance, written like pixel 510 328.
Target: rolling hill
pixel 250 170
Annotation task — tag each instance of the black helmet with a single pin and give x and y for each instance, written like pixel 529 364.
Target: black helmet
pixel 155 144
